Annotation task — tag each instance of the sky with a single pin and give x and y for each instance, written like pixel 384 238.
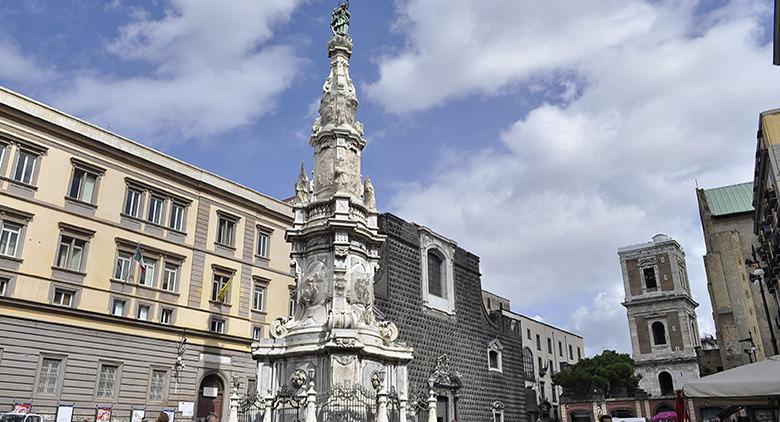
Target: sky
pixel 541 136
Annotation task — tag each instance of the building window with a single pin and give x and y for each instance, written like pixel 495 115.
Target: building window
pixel 177 216
pixel 170 275
pixel 538 342
pixel 257 333
pixel 498 416
pixel 148 272
pixel 107 381
pixel 220 289
pixel 258 298
pixel 549 345
pixel 435 285
pixel 550 367
pixel 70 254
pixel 659 333
pixel 554 393
pixel 217 326
pixel 124 262
pixel 25 167
pixel 571 354
pixel 495 349
pixel 9 238
pixel 118 308
pixel 82 185
pixel 155 213
pixel 665 383
pixel 4 282
pixel 63 297
pixel 157 385
pixel 542 390
pixel 133 202
pixel 528 333
pixel 262 244
pixel 560 349
pixel 226 231
pixel 143 312
pixel 650 281
pixel 579 354
pixel 49 375
pixel 291 304
pixel 528 364
pixel 166 316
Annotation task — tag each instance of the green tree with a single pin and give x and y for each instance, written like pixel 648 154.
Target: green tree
pixel 609 373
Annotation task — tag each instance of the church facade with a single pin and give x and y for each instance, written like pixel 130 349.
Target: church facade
pixel 471 357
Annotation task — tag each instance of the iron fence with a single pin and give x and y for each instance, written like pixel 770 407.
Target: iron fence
pixel 352 403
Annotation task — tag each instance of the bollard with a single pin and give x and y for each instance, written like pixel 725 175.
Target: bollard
pixel 432 408
pixel 311 404
pixel 381 410
pixel 269 407
pixel 234 398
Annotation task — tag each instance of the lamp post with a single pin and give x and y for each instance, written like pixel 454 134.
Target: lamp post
pixel 757 276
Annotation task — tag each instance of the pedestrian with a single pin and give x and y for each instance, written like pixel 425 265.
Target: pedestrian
pixel 605 418
pixel 162 417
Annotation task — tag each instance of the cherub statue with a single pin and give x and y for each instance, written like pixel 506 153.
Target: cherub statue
pixel 302 187
pixel 369 197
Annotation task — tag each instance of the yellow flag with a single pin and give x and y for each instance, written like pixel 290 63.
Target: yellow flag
pixel 222 294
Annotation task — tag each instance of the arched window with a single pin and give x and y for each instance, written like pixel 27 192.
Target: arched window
pixel 666 383
pixel 435 273
pixel 528 364
pixel 659 333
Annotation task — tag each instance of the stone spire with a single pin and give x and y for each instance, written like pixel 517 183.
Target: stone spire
pixel 335 244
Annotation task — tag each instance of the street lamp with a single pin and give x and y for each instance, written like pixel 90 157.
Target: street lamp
pixel 757 276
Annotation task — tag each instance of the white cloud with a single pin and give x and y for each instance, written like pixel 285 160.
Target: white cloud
pixel 676 98
pixel 211 69
pixel 459 47
pixel 18 68
pixel 605 323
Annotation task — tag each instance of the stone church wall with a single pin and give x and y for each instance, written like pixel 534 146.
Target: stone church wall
pixel 464 336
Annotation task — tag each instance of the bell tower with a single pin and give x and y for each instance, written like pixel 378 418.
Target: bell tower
pixel 334 336
pixel 661 314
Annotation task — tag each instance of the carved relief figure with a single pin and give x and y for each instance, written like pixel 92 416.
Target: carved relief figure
pixel 309 293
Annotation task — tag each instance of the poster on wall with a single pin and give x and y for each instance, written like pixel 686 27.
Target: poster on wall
pixel 103 414
pixel 137 415
pixel 21 407
pixel 64 413
pixel 170 413
pixel 187 408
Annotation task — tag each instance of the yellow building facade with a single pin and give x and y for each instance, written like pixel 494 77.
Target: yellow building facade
pixel 111 254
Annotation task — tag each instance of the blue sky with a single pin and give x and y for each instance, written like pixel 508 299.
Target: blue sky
pixel 541 137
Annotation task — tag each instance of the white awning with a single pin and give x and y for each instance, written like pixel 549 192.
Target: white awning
pixel 758 381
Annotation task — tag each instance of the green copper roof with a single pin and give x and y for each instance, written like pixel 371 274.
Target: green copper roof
pixel 733 199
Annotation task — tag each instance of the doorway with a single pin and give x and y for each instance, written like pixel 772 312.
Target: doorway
pixel 443 409
pixel 210 395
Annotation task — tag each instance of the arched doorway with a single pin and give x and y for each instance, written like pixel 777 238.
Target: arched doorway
pixel 666 383
pixel 663 408
pixel 210 397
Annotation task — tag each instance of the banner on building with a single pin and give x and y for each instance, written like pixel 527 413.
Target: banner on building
pixel 103 414
pixel 64 413
pixel 137 415
pixel 21 407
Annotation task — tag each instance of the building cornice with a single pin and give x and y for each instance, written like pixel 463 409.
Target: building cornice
pixel 94 137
